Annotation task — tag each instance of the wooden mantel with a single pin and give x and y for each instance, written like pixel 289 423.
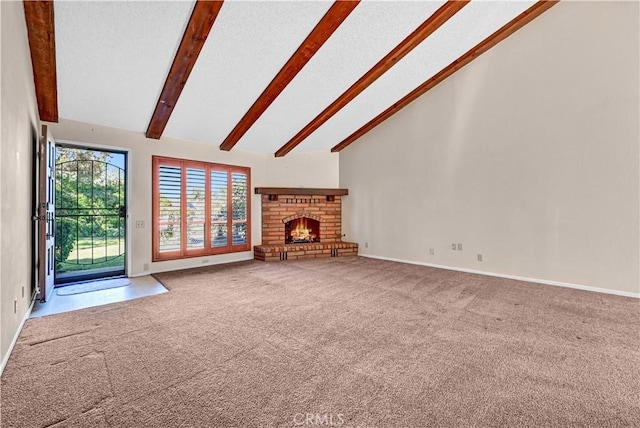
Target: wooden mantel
pixel 300 191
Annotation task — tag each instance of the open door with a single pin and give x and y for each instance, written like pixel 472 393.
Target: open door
pixel 90 214
pixel 46 214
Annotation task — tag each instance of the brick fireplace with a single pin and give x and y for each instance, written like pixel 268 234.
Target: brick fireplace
pixel 302 223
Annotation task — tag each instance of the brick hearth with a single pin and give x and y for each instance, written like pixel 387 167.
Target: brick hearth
pixel 282 205
pixel 301 251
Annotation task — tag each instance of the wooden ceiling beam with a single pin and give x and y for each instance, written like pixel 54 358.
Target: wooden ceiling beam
pixel 329 23
pixel 42 44
pixel 511 27
pixel 428 27
pixel 195 35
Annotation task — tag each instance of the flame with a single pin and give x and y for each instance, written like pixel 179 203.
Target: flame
pixel 302 231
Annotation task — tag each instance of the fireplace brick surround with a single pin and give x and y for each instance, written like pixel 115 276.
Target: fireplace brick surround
pixel 280 205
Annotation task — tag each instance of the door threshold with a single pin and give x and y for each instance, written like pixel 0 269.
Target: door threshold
pixel 86 281
pixel 142 286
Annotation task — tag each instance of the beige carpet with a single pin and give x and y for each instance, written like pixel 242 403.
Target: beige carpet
pixel 349 342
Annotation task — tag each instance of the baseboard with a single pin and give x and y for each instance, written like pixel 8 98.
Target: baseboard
pixel 5 360
pixel 515 277
pixel 212 262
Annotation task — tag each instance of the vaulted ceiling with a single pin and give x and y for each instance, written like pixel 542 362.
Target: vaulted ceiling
pixel 265 76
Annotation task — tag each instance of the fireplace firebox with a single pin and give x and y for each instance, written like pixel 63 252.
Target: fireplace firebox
pixel 294 220
pixel 302 230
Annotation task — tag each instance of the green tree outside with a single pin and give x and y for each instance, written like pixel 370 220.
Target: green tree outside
pixel 89 191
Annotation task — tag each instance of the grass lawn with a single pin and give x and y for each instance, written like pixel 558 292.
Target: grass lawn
pixel 105 254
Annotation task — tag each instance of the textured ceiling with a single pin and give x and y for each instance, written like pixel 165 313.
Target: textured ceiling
pixel 249 43
pixel 368 34
pixel 113 59
pixel 462 32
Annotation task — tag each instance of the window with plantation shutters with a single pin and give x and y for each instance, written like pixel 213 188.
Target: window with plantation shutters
pixel 196 195
pixel 219 208
pixel 169 202
pixel 199 209
pixel 239 208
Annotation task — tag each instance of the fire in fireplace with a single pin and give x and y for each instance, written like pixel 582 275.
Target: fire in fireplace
pixel 302 230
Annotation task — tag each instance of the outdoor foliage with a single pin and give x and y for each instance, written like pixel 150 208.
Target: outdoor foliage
pixel 87 189
pixel 65 239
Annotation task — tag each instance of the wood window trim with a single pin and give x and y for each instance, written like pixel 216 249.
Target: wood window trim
pixel 184 252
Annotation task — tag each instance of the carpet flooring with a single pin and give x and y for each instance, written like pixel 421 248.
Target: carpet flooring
pixel 349 342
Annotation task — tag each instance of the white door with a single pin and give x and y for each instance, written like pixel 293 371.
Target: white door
pixel 46 214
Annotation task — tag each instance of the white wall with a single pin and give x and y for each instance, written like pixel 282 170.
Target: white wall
pixel 529 155
pixel 308 170
pixel 317 169
pixel 19 130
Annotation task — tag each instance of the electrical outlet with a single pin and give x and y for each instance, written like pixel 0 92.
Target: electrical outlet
pixel 145 266
pixel 432 251
pixel 453 246
pixel 23 291
pixel 366 245
pixel 15 306
pixel 480 258
pixel 140 224
pixel 459 247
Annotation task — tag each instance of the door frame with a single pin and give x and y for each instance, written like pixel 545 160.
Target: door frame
pixel 127 189
pixel 35 210
pixel 44 223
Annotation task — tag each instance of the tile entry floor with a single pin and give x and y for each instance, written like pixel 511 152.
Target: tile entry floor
pixel 140 287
